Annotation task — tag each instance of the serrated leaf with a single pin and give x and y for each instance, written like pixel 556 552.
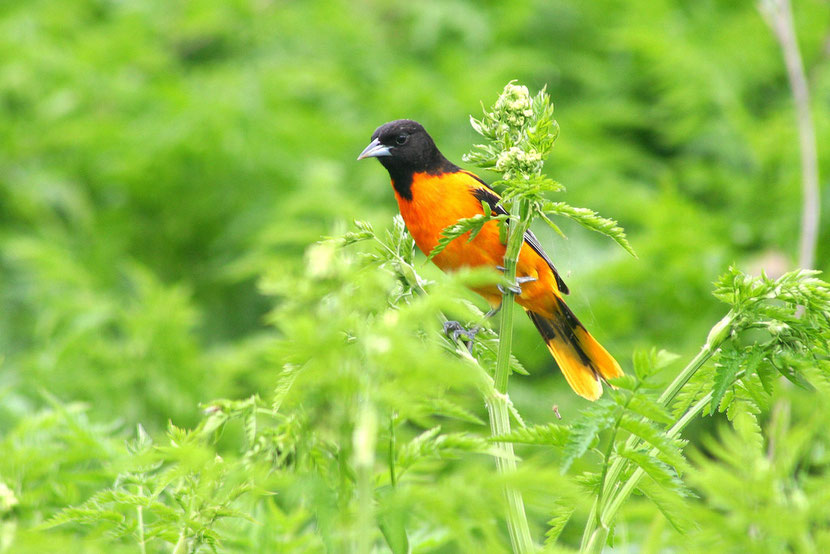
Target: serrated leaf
pixel 516 366
pixel 552 225
pixel 670 505
pixel 447 408
pixel 785 368
pixel 745 422
pixel 726 368
pixel 670 449
pixel 625 382
pixel 284 382
pixel 650 409
pixel 561 515
pixel 551 434
pixel 432 444
pixel 648 362
pixel 461 227
pixel 659 471
pixel 593 420
pixel 591 220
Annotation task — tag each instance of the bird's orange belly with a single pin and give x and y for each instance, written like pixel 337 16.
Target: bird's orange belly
pixel 426 217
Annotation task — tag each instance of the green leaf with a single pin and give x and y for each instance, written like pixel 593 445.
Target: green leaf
pixel 392 521
pixel 461 227
pixel 785 366
pixel 284 382
pixel 670 449
pixel 447 408
pixel 585 431
pixel 551 434
pixel 648 408
pixel 726 368
pixel 433 445
pixel 591 220
pixel 561 515
pixel 672 506
pixel 659 471
pixel 648 362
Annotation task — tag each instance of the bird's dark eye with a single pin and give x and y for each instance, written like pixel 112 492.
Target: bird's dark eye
pixel 401 139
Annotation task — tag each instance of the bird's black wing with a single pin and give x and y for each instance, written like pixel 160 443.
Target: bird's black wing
pixel 487 194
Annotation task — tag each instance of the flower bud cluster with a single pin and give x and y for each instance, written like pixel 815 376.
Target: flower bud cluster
pixel 516 162
pixel 514 106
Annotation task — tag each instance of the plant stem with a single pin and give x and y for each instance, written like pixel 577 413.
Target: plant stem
pixel 140 514
pixel 628 487
pixel 597 541
pixel 511 257
pixel 613 507
pixel 364 438
pixel 393 479
pixel 498 404
pixel 779 15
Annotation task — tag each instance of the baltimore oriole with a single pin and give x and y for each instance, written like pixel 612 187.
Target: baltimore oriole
pixel 433 193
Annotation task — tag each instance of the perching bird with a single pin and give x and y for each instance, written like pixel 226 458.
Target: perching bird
pixel 433 193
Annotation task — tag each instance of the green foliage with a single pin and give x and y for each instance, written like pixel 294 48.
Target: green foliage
pixel 469 226
pixel 551 434
pixel 588 219
pixel 166 167
pixel 520 132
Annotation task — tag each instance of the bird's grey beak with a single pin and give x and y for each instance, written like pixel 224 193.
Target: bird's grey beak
pixel 375 150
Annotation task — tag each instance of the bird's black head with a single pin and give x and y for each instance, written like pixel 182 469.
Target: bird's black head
pixel 405 148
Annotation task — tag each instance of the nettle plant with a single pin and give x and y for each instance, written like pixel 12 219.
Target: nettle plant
pixel 375 436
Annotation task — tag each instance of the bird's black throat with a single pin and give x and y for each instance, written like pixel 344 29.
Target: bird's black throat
pixel 402 172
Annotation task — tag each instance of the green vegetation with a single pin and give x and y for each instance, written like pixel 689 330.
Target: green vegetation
pixel 200 349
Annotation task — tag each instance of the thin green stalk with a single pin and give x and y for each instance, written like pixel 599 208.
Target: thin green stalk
pixel 393 478
pixel 719 333
pixel 511 257
pixel 614 506
pixel 140 514
pixel 673 432
pixel 364 438
pixel 497 405
pixel 596 540
pixel 605 468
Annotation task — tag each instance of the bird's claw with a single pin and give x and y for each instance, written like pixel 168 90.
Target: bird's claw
pixel 455 330
pixel 516 287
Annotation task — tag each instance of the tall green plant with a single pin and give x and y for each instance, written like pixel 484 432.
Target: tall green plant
pixel 373 434
pixel 520 132
pixel 644 419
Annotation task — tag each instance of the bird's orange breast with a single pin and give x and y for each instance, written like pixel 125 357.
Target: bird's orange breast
pixel 438 201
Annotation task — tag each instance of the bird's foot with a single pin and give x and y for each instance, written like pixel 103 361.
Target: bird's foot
pixel 455 331
pixel 516 287
pixel 492 312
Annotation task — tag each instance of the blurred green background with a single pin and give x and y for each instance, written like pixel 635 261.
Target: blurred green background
pixel 157 158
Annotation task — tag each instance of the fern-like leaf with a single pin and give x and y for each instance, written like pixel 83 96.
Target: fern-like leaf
pixel 551 434
pixel 658 470
pixel 670 449
pixel 471 225
pixel 585 431
pixel 726 368
pixel 561 515
pixel 431 444
pixel 447 408
pixel 646 407
pixel 590 220
pixel 669 504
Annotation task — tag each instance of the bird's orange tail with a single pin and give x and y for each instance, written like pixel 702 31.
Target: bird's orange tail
pixel 583 360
